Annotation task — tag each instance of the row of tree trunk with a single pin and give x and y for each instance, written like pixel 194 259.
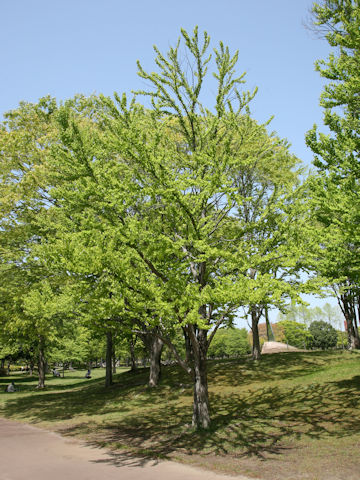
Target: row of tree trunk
pixel 197 344
pixel 154 345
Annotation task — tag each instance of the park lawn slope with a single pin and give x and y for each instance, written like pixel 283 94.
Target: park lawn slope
pixel 289 416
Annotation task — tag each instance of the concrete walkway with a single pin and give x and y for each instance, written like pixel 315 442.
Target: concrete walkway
pixel 29 453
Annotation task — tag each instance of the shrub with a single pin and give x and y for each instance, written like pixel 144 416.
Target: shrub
pixel 229 342
pixel 323 335
pixel 295 334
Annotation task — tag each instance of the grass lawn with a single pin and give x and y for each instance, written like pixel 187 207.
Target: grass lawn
pixel 289 416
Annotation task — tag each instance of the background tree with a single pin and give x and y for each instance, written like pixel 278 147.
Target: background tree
pixel 295 334
pixel 72 347
pixel 229 342
pixel 323 335
pixel 26 135
pixel 336 194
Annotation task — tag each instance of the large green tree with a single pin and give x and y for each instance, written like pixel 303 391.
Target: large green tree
pixel 336 190
pixel 171 216
pixel 25 138
pixel 193 172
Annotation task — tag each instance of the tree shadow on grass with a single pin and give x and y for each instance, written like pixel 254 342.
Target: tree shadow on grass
pixel 262 424
pixel 28 384
pixel 62 402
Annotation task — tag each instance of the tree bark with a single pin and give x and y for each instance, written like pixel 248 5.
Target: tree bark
pixel 351 334
pixel 188 347
pixel 256 350
pixel 356 332
pixel 41 364
pixel 201 408
pixel 349 312
pixel 113 359
pixel 155 350
pixel 154 346
pixel 269 330
pixel 132 354
pixel 109 350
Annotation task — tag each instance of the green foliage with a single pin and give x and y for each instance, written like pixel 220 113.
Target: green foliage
pixel 132 218
pixel 307 315
pixel 335 191
pixel 229 342
pixel 341 21
pixel 341 339
pixel 73 346
pixel 323 335
pixel 295 334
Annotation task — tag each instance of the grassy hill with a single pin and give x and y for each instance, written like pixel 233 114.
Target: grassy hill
pixel 289 416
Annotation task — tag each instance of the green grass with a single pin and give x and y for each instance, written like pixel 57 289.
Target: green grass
pixel 289 414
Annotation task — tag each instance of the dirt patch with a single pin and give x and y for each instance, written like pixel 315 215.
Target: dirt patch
pixel 277 347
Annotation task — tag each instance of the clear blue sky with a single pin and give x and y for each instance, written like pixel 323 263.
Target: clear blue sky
pixel 64 47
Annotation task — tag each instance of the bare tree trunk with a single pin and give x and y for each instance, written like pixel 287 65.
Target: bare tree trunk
pixel 188 347
pixel 201 408
pixel 132 354
pixel 109 350
pixel 113 359
pixel 154 346
pixel 155 350
pixel 256 351
pixel 269 330
pixel 352 340
pixel 353 336
pixel 41 364
pixel 356 332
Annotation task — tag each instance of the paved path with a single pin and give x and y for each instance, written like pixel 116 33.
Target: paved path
pixel 28 453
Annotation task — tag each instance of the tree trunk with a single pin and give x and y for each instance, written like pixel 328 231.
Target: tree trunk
pixel 154 346
pixel 201 409
pixel 41 364
pixel 269 330
pixel 113 359
pixel 348 309
pixel 132 354
pixel 352 340
pixel 188 347
pixel 109 350
pixel 155 349
pixel 256 351
pixel 356 332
